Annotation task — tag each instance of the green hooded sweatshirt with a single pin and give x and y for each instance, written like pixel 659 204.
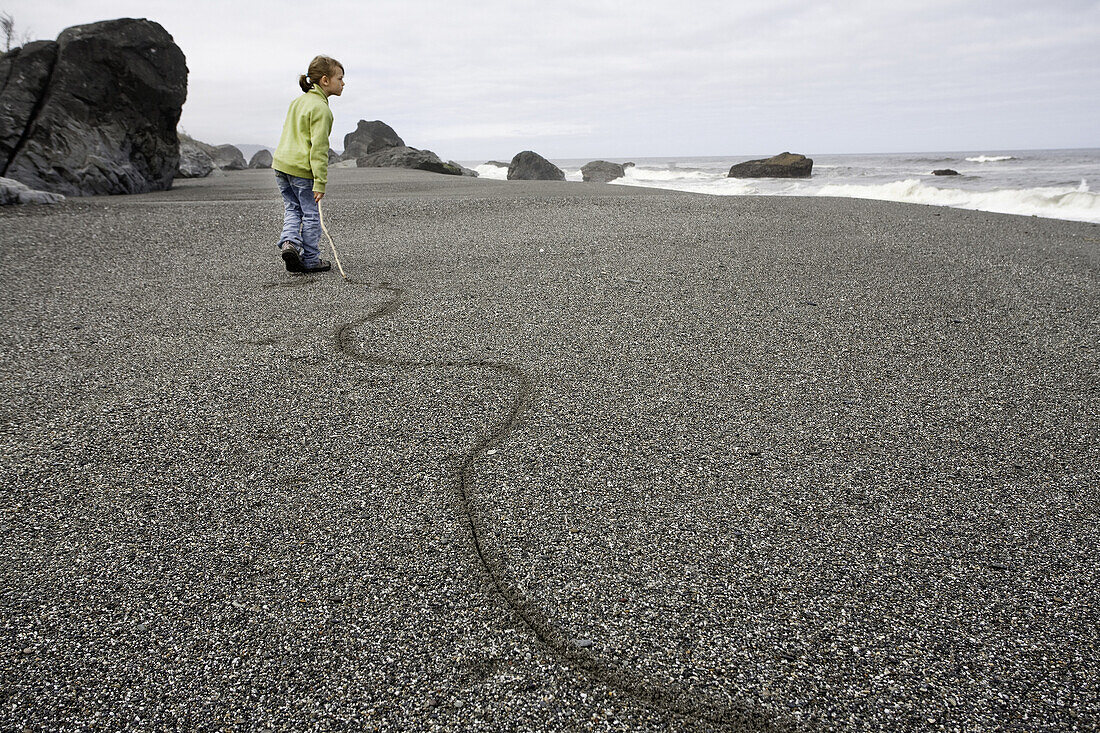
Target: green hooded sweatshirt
pixel 303 148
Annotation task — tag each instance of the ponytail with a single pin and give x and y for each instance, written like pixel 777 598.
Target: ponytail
pixel 318 67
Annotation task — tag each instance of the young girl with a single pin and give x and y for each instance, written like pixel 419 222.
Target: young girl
pixel 301 165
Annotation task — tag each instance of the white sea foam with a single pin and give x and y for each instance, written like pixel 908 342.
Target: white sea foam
pixel 644 174
pixel 1077 204
pixel 716 186
pixel 492 171
pixel 1057 202
pixel 1037 184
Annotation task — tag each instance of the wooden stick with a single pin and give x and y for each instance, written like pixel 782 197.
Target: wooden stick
pixel 330 242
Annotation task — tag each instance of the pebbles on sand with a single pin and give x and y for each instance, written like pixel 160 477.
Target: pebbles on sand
pixel 826 464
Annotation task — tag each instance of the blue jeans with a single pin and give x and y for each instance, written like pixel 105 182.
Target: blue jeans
pixel 301 217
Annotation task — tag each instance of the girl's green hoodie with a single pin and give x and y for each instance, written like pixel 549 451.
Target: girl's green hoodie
pixel 303 148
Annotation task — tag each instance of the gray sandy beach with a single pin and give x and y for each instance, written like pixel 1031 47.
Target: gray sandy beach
pixel 560 456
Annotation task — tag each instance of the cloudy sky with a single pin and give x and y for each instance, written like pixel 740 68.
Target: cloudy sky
pixel 481 79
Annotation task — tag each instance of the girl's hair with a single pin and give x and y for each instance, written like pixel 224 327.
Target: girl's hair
pixel 318 67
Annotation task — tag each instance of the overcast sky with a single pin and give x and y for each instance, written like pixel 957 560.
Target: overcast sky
pixel 483 79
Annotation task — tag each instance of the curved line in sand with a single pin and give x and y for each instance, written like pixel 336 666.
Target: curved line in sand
pixel 663 697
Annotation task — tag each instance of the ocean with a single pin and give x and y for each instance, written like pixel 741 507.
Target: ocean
pixel 1048 183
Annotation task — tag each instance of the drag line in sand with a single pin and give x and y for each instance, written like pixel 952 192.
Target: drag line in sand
pixel 660 696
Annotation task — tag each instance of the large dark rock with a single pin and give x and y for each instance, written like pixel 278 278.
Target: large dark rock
pixel 370 137
pixel 406 157
pixel 229 158
pixel 784 165
pixel 945 172
pixel 195 161
pixel 530 166
pixel 24 73
pixel 104 120
pixel 601 171
pixel 262 159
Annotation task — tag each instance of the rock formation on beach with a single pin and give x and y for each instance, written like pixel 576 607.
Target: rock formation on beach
pixel 376 145
pixel 784 165
pixel 370 137
pixel 95 111
pixel 530 166
pixel 601 171
pixel 14 192
pixel 229 158
pixel 262 159
pixel 195 161
pixel 406 157
pixel 199 159
pixel 26 72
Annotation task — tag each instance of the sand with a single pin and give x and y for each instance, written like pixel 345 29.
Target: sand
pixel 562 456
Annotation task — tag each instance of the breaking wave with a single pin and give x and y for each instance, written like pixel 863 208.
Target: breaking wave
pixel 636 173
pixel 1036 183
pixel 1064 202
pixel 1076 204
pixel 492 171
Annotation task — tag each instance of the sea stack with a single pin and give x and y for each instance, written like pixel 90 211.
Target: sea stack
pixel 601 171
pixel 784 165
pixel 370 137
pixel 530 166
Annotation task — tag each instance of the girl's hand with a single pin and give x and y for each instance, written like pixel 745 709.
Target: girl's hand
pixel 318 195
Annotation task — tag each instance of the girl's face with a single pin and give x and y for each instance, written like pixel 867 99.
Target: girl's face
pixel 333 85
